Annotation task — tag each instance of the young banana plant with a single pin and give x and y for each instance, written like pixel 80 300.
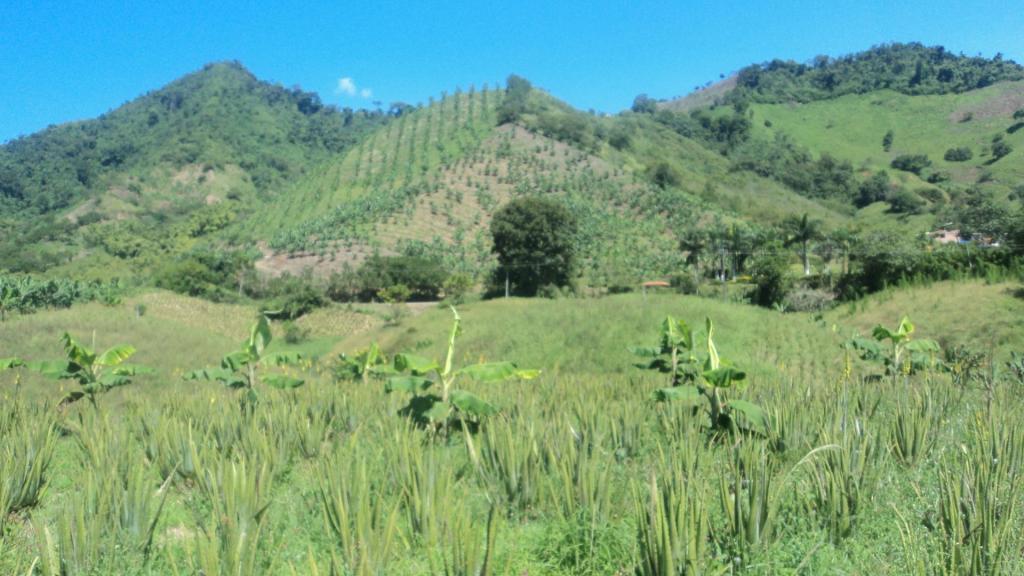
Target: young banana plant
pixel 12 364
pixel 905 354
pixel 674 355
pixel 695 382
pixel 241 369
pixel 95 373
pixel 369 362
pixel 417 374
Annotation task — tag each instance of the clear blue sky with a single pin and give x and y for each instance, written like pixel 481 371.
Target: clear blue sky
pixel 68 60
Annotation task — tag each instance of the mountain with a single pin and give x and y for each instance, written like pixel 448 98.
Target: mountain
pixel 215 132
pixel 221 161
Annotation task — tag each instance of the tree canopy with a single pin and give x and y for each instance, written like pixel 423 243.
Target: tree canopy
pixel 533 239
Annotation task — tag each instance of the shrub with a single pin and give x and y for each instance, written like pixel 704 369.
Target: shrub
pixel 808 300
pixel 423 277
pixel 770 273
pixel 295 334
pixel 456 286
pixel 911 163
pixel 1000 148
pixel 905 202
pixel 297 302
pixel 962 154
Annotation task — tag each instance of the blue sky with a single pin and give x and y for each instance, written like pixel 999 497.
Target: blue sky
pixel 62 61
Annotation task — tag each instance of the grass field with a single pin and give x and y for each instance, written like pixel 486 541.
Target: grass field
pixel 855 471
pixel 852 127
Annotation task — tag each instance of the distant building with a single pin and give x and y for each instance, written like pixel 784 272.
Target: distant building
pixel 944 236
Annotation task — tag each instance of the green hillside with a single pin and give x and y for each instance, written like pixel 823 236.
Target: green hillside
pixel 853 127
pixel 216 135
pixel 248 180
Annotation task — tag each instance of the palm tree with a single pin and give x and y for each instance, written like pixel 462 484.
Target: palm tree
pixel 694 242
pixel 803 231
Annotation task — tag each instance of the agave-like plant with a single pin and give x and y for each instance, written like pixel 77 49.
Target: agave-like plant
pixel 693 381
pixel 95 373
pixel 240 369
pixel 418 374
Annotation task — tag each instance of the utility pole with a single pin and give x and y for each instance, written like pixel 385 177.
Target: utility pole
pixel 506 282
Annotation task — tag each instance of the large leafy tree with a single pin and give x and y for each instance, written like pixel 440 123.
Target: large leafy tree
pixel 533 238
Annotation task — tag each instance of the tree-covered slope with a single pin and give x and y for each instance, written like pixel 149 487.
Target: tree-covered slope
pixel 211 134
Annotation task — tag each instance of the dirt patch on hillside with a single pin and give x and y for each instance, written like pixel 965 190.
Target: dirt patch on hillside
pixel 1009 99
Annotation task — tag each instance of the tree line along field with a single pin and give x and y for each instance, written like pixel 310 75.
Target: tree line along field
pixel 857 466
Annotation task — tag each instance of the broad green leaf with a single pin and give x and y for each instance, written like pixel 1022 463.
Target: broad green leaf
pixel 416 364
pixel 923 345
pixel 425 409
pixel 132 370
pixel 451 341
pixel 496 371
pixel 754 414
pixel 57 369
pixel 113 380
pixel 882 333
pixel 9 363
pixel 471 404
pixel 713 362
pixel 260 336
pixel 687 394
pixel 236 360
pixel 282 382
pixel 905 328
pixel 723 377
pixel 76 352
pixel 645 351
pixel 438 412
pixel 72 397
pixel 411 384
pixel 115 356
pixel 867 349
pixel 675 334
pixel 902 333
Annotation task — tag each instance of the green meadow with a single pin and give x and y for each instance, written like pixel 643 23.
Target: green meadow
pixel 848 467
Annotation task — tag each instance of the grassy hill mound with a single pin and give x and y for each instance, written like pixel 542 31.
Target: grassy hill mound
pixel 853 127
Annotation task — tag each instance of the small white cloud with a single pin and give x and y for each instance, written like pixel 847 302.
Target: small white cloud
pixel 346 86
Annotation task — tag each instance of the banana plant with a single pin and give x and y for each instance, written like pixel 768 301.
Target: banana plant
pixel 704 381
pixel 674 354
pixel 241 369
pixel 95 373
pixel 905 353
pixel 369 362
pixel 417 374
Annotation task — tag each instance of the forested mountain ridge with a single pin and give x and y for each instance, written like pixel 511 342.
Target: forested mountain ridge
pixel 218 123
pixel 219 162
pixel 912 69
